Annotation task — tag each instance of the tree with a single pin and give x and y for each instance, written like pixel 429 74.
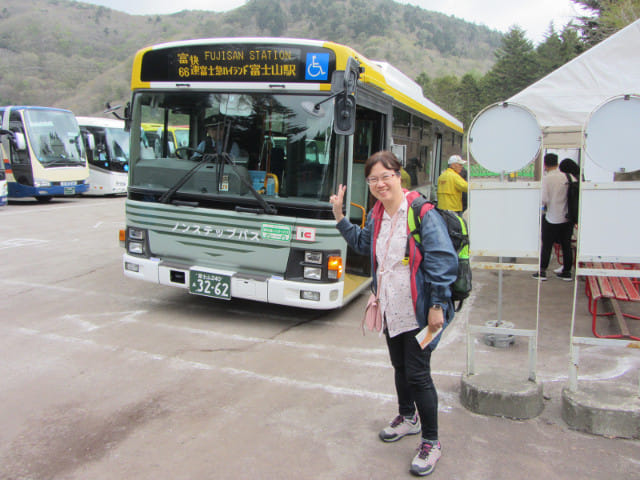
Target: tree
pixel 604 18
pixel 469 102
pixel 620 13
pixel 516 67
pixel 550 53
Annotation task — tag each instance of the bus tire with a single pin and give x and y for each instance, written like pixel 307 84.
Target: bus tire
pixel 44 198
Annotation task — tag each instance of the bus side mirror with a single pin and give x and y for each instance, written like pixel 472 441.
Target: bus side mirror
pixel 345 115
pixel 345 104
pixel 19 141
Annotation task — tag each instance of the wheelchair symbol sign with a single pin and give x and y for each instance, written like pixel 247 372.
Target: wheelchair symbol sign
pixel 317 67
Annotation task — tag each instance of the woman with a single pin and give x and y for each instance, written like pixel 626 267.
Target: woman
pixel 409 302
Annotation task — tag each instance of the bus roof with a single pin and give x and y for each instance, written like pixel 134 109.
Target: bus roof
pixel 381 75
pixel 34 107
pixel 100 122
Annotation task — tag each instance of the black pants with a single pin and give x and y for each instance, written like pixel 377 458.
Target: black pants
pixel 414 385
pixel 556 233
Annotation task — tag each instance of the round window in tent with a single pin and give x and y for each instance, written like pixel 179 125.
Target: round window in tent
pixel 505 137
pixel 611 137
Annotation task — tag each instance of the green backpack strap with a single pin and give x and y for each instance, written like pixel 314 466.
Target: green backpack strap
pixel 413 221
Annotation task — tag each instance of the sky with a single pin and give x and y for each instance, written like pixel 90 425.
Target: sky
pixel 533 16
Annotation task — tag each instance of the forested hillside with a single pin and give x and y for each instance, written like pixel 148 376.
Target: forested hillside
pixel 78 56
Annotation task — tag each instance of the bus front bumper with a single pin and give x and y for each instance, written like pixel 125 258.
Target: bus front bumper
pixel 270 289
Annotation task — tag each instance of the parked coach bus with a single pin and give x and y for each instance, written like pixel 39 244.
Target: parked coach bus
pixel 246 213
pixel 107 146
pixel 4 192
pixel 46 156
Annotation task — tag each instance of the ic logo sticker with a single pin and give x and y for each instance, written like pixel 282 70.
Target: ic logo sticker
pixel 306 234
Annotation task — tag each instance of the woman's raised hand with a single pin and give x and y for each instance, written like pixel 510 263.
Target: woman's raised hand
pixel 337 201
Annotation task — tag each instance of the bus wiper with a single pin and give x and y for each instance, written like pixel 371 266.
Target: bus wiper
pixel 59 161
pixel 168 195
pixel 267 207
pixel 209 158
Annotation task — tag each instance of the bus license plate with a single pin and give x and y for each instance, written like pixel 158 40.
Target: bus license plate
pixel 210 284
pixel 69 190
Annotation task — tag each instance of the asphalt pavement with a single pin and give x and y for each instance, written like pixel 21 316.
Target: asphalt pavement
pixel 104 377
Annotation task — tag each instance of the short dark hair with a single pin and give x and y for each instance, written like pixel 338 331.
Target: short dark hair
pixel 551 160
pixel 386 158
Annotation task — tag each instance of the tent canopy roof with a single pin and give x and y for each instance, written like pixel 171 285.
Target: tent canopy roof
pixel 569 94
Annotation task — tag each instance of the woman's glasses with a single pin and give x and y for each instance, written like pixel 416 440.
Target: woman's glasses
pixel 386 178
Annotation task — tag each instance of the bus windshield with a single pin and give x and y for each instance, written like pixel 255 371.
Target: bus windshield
pixel 55 137
pixel 111 150
pixel 118 144
pixel 280 144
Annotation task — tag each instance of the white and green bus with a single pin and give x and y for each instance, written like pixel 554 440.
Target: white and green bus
pixel 293 120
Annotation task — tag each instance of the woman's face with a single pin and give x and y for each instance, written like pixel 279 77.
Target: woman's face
pixel 384 184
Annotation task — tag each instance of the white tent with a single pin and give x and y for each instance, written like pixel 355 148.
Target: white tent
pixel 567 96
pixel 563 100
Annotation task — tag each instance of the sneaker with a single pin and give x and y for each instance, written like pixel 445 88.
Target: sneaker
pixel 425 461
pixel 542 276
pixel 399 427
pixel 559 269
pixel 564 276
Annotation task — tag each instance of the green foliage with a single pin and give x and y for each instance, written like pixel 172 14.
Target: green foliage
pixel 518 65
pixel 604 17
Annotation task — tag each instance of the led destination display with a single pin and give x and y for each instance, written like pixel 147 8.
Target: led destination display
pixel 238 63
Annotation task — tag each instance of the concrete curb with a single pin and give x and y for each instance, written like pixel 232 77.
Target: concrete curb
pixel 603 411
pixel 501 395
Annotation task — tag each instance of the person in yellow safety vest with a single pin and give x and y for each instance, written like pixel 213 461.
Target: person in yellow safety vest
pixel 451 185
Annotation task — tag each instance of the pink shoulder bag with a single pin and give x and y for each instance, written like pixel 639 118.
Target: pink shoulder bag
pixel 372 317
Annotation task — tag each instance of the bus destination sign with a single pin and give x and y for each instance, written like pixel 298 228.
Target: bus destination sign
pixel 239 63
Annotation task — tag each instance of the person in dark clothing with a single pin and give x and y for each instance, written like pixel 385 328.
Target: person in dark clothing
pixel 555 227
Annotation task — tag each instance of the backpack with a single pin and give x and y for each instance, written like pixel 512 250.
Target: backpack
pixel 573 199
pixel 458 233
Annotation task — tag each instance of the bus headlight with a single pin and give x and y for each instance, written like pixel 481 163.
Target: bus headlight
pixel 313 273
pixel 136 233
pixel 313 257
pixel 39 182
pixel 137 241
pixel 136 248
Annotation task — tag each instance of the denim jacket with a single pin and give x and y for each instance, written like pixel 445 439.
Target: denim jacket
pixel 434 266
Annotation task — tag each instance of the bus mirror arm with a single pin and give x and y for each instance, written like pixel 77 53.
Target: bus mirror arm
pixel 114 111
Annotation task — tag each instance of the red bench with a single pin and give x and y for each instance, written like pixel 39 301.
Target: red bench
pixel 614 289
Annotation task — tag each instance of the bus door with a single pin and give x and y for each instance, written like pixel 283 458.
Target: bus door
pixel 19 157
pixel 367 139
pixel 4 192
pixel 437 162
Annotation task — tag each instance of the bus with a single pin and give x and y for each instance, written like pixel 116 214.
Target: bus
pixel 178 136
pixel 46 155
pixel 306 115
pixel 4 192
pixel 107 146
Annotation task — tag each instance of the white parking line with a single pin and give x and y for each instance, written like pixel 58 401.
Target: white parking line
pixel 25 210
pixel 21 242
pixel 192 365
